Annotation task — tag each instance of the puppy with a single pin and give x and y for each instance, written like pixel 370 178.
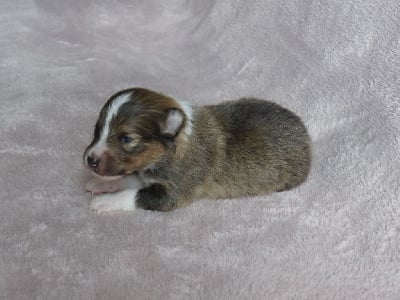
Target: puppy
pixel 153 152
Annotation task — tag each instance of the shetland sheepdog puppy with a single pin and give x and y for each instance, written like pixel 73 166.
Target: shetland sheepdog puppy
pixel 154 152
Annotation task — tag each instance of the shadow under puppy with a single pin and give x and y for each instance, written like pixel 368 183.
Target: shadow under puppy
pixel 153 152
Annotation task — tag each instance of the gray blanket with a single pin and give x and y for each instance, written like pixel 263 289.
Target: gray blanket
pixel 335 63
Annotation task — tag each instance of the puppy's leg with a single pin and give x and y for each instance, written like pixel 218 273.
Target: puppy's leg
pixel 98 186
pixel 120 201
pixel 155 197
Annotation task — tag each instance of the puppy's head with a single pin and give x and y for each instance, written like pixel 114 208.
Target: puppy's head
pixel 136 129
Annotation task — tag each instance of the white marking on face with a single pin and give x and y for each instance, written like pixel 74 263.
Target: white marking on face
pixel 121 201
pixel 112 111
pixel 188 110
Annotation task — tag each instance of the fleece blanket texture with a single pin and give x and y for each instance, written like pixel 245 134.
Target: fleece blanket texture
pixel 335 63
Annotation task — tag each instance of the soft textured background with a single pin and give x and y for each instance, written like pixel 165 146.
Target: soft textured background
pixel 335 63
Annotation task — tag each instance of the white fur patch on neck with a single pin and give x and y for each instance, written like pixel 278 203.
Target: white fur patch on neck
pixel 112 111
pixel 188 110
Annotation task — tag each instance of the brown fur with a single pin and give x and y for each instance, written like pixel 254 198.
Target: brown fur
pixel 153 150
pixel 237 148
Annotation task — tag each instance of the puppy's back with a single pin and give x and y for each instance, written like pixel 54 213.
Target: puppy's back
pixel 266 149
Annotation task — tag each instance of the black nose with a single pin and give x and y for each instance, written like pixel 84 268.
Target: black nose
pixel 92 162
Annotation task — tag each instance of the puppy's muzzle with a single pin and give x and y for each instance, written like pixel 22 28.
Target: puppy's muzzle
pixel 92 162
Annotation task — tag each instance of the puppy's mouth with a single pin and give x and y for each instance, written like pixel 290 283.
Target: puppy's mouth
pixel 104 174
pixel 107 177
pixel 104 166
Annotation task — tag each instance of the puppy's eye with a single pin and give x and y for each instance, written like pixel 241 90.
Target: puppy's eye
pixel 126 139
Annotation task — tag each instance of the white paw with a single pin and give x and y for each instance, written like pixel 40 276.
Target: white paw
pixel 97 186
pixel 121 201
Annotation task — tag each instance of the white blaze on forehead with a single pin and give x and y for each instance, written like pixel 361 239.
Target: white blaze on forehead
pixel 112 111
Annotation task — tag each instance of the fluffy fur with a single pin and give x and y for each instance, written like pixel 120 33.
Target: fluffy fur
pixel 175 153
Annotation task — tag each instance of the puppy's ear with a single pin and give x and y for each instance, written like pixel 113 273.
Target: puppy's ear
pixel 173 123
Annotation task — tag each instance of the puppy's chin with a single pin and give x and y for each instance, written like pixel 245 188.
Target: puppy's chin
pixel 107 177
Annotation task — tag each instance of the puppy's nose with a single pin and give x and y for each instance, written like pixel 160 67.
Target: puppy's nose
pixel 93 162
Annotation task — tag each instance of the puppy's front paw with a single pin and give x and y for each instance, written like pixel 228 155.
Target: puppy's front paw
pixel 121 201
pixel 96 186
